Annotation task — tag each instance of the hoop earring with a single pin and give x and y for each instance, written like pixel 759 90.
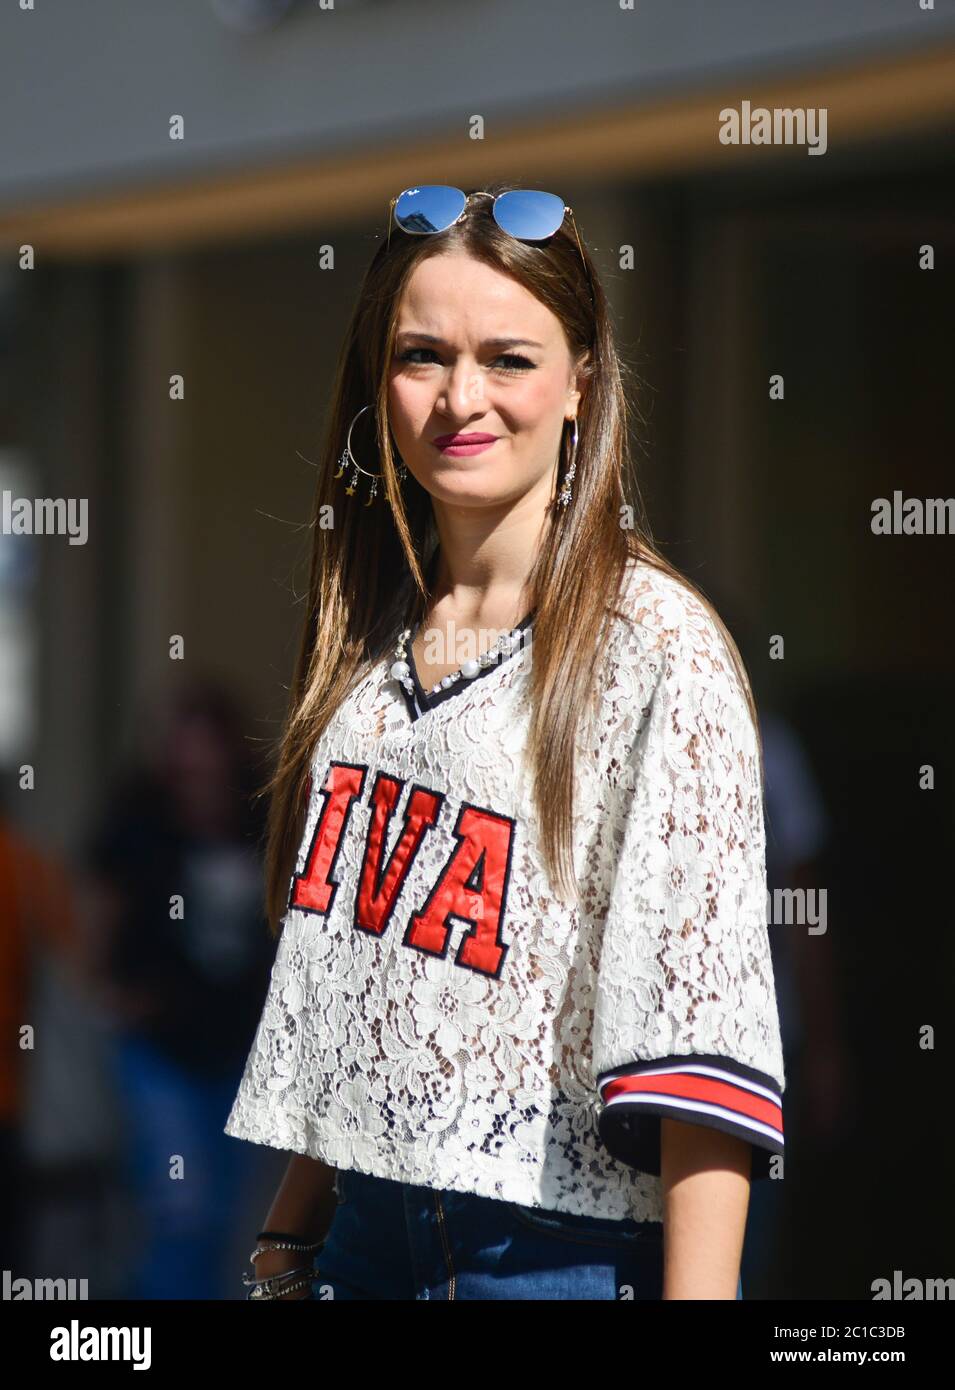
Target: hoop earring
pixel 563 497
pixel 349 458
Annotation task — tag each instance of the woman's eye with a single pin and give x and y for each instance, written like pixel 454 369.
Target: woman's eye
pixel 514 362
pixel 409 355
pixel 519 364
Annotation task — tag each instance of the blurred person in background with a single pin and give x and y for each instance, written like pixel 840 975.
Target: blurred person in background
pixel 36 914
pixel 181 954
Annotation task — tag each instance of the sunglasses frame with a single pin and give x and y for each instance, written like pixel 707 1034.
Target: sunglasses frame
pixel 483 193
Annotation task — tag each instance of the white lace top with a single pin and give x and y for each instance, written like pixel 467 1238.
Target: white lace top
pixel 437 1016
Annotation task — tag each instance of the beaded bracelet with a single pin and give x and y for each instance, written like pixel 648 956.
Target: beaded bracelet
pixel 270 1286
pixel 281 1235
pixel 269 1290
pixel 299 1246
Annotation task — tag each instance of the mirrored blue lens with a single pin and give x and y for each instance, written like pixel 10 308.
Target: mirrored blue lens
pixel 430 209
pixel 528 214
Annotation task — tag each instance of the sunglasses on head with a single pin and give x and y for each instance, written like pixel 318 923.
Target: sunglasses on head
pixel 524 213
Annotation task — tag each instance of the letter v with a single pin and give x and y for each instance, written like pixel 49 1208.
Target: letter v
pixel 378 890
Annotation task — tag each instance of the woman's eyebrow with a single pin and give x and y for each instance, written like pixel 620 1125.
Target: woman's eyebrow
pixel 488 342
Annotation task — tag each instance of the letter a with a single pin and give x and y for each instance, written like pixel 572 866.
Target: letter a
pixel 473 887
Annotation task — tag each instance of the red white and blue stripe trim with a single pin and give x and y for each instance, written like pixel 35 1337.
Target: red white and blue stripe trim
pixel 697 1088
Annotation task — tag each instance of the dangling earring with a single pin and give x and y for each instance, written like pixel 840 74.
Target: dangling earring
pixel 563 496
pixel 349 458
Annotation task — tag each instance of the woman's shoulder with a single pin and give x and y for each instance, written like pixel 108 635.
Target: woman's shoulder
pixel 659 610
pixel 669 654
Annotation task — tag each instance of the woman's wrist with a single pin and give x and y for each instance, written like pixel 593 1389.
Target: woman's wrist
pixel 299 1217
pixel 280 1271
pixel 284 1250
pixel 270 1262
pixel 305 1202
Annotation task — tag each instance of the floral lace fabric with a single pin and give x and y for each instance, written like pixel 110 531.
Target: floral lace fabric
pixel 375 1054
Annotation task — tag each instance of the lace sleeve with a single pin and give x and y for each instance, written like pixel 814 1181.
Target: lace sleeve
pixel 686 1022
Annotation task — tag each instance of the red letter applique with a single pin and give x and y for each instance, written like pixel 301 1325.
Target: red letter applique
pixel 377 892
pixel 473 886
pixel 314 890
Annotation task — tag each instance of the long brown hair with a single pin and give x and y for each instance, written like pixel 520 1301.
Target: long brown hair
pixel 358 563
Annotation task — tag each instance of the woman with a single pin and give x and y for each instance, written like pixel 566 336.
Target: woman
pixel 521 1035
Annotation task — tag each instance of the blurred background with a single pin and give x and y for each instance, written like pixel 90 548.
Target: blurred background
pixel 232 256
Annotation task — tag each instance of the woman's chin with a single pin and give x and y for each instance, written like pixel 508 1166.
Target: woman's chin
pixel 465 486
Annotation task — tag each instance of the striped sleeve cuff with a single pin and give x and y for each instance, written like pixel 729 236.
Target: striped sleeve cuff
pixel 697 1088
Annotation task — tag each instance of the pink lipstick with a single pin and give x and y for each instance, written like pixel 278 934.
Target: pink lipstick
pixel 463 445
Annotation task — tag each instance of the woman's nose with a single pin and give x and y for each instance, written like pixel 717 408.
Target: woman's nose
pixel 464 388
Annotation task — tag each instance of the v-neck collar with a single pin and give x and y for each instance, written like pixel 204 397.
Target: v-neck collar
pixel 419 701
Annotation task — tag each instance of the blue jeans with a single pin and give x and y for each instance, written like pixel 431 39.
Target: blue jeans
pixel 393 1240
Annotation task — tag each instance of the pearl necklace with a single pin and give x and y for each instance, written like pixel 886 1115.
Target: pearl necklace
pixel 504 645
